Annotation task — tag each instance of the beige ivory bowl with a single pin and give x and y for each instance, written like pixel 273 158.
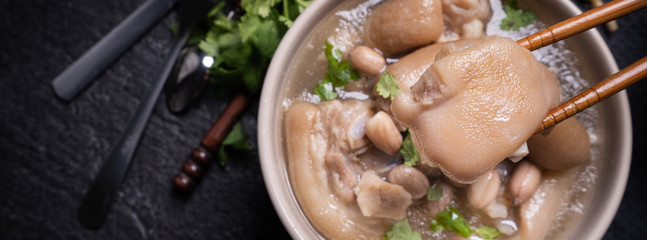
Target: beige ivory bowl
pixel 595 63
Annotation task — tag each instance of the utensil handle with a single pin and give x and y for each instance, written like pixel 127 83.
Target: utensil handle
pixel 201 157
pixel 75 77
pixel 99 198
pixel 582 22
pixel 600 91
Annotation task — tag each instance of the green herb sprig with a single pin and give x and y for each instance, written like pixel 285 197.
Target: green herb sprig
pixel 515 17
pixel 387 87
pixel 338 74
pixel 235 140
pixel 408 151
pixel 434 193
pixel 402 231
pixel 242 49
pixel 452 220
pixel 488 233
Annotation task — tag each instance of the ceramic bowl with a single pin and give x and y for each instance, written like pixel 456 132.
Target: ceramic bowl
pixel 595 63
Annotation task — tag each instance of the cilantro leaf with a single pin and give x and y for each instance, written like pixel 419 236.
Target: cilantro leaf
pixel 261 8
pixel 290 13
pixel 402 231
pixel 434 193
pixel 302 4
pixel 452 220
pixel 338 74
pixel 223 158
pixel 215 11
pixel 387 87
pixel 220 23
pixel 288 22
pixel 242 48
pixel 267 38
pixel 325 91
pixel 236 140
pixel 236 55
pixel 515 17
pixel 408 151
pixel 174 28
pixel 215 43
pixel 251 74
pixel 248 26
pixel 332 54
pixel 435 227
pixel 488 233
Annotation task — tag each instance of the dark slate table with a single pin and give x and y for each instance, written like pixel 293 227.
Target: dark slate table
pixel 51 150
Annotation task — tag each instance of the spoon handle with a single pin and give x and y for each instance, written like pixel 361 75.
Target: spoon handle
pixel 99 198
pixel 201 157
pixel 75 77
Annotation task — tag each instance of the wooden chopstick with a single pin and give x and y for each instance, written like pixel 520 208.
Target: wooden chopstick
pixel 600 91
pixel 582 22
pixel 608 86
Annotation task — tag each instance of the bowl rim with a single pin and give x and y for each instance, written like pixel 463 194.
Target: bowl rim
pixel 275 173
pixel 283 199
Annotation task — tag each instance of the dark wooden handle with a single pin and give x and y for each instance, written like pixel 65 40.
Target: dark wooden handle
pixel 582 22
pixel 600 91
pixel 196 165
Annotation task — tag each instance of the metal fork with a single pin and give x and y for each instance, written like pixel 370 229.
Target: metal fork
pixel 100 196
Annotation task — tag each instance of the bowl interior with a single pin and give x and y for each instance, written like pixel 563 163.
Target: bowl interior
pixel 595 63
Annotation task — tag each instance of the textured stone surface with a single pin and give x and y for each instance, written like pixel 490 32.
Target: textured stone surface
pixel 51 150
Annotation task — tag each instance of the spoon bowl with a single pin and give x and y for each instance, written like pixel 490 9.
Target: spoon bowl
pixel 188 79
pixel 191 71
